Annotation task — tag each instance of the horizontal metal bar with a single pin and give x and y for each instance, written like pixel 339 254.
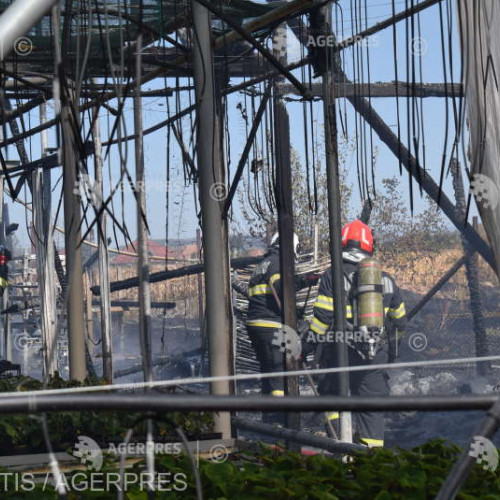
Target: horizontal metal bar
pixel 300 437
pixel 383 89
pixel 162 402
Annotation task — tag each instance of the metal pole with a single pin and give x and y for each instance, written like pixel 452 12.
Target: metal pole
pixel 142 243
pixel 334 219
pixel 300 437
pixel 448 275
pixel 72 222
pixel 3 348
pixel 284 201
pixel 36 403
pixel 7 341
pixel 472 266
pixel 142 230
pixel 45 267
pixel 200 284
pixel 17 19
pixel 212 194
pixel 105 302
pixel 471 272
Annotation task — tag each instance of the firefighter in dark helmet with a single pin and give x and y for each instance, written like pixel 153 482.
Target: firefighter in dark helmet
pixel 376 319
pixel 264 316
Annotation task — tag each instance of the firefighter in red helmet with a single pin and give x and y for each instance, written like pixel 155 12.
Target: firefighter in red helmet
pixel 366 346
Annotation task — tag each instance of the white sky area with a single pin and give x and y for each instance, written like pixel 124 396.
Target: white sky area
pixel 182 219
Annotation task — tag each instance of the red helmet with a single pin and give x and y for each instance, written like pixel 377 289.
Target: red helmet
pixel 357 235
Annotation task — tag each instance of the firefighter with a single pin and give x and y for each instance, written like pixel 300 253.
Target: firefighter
pixel 365 347
pixel 4 269
pixel 264 316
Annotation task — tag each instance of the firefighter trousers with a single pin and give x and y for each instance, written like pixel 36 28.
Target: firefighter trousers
pixel 270 359
pixel 369 426
pixel 269 356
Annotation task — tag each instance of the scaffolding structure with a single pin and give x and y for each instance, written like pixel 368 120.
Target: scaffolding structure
pixel 84 57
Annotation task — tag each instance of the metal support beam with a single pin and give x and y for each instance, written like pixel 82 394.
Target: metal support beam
pixel 142 229
pixel 295 7
pixel 446 276
pixel 142 403
pixel 102 242
pixel 299 437
pixel 44 245
pixel 471 271
pixel 7 326
pixel 212 190
pixel 384 89
pixel 5 305
pixel 74 271
pixel 379 89
pixel 17 19
pixel 423 178
pixel 334 218
pixel 72 213
pixel 125 284
pixel 284 204
pixel 352 40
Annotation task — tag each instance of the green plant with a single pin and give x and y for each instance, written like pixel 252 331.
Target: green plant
pixel 23 432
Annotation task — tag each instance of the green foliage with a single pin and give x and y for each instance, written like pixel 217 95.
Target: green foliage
pixel 23 432
pixel 383 475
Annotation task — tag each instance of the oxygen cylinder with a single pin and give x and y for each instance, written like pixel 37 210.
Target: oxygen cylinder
pixel 370 300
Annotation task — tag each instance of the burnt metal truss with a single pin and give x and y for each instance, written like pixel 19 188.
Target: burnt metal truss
pixel 421 176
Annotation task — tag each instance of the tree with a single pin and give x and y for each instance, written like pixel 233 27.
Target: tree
pixel 258 208
pixel 396 231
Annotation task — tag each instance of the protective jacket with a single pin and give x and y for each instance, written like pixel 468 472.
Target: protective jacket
pixel 263 309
